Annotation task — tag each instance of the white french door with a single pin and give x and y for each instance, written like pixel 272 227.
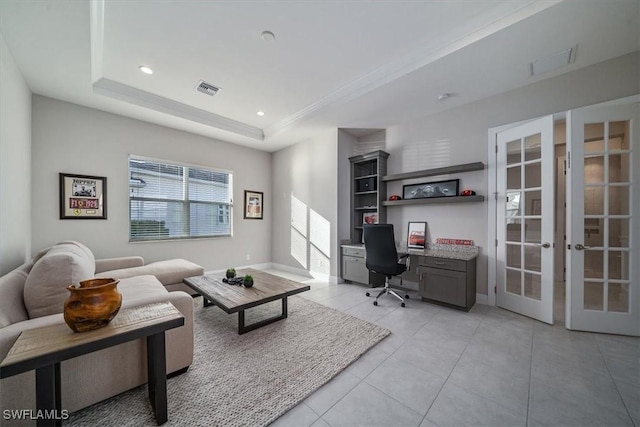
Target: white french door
pixel 602 234
pixel 525 215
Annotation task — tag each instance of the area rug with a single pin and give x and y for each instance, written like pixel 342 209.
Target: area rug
pixel 250 379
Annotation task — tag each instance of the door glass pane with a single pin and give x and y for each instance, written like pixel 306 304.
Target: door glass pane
pixel 594 138
pixel 619 233
pixel 593 296
pixel 532 230
pixel 532 258
pixel 593 232
pixel 532 285
pixel 533 202
pixel 593 264
pixel 618 295
pixel 513 152
pixel 594 170
pixel 532 175
pixel 513 282
pixel 618 265
pixel 619 135
pixel 532 147
pixel 513 178
pixel 514 231
pixel 618 200
pixel 594 201
pixel 513 256
pixel 619 167
pixel 512 206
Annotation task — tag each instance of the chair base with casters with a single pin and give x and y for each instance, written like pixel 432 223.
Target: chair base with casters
pixel 386 290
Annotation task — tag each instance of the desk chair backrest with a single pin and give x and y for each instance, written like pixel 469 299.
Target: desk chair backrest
pixel 380 245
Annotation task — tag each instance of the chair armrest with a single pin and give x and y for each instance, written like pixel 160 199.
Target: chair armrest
pixel 407 258
pixel 107 264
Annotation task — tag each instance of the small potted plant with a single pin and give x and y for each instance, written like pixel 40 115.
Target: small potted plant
pixel 231 273
pixel 248 281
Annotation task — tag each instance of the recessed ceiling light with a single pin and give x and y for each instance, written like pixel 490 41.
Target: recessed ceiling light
pixel 145 69
pixel 268 36
pixel 260 113
pixel 444 97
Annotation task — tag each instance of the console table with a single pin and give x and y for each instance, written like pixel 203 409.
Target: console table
pixel 44 348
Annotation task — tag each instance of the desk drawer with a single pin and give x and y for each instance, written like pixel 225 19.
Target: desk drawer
pixel 359 252
pixel 446 263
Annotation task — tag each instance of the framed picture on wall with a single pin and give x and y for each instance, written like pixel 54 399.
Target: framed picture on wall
pixel 369 218
pixel 447 188
pixel 83 196
pixel 416 235
pixel 253 204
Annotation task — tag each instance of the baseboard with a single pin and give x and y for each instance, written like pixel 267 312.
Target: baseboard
pixel 305 273
pixel 482 299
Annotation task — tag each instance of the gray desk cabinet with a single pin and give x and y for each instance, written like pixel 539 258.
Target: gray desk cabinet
pixel 446 281
pixel 354 268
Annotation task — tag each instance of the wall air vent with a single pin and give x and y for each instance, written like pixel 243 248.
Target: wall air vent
pixel 207 88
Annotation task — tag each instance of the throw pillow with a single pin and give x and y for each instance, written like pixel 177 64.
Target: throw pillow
pixel 46 287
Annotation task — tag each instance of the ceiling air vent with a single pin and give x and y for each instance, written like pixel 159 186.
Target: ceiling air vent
pixel 207 88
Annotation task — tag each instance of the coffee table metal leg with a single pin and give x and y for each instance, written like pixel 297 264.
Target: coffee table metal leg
pixel 157 376
pixel 242 329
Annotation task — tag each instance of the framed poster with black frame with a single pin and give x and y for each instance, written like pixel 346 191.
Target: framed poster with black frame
pixel 83 196
pixel 253 204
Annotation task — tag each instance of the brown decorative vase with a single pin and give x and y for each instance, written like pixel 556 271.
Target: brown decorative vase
pixel 92 305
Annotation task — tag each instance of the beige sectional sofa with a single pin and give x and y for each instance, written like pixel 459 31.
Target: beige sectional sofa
pixel 33 295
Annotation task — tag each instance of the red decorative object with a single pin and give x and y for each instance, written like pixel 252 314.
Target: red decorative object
pixel 467 193
pixel 395 197
pixel 462 242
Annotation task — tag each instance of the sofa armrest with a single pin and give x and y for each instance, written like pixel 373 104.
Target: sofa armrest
pixel 107 264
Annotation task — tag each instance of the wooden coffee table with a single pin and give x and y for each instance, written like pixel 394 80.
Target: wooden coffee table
pixel 236 299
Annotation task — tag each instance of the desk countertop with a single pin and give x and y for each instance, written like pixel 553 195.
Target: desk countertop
pixel 437 250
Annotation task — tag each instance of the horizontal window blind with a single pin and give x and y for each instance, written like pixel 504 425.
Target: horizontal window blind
pixel 172 201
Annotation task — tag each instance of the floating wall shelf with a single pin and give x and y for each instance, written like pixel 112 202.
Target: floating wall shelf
pixel 433 200
pixel 466 167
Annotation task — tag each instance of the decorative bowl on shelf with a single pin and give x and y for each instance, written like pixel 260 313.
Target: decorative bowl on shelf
pixel 92 305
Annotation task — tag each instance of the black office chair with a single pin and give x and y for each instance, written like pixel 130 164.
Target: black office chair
pixel 382 257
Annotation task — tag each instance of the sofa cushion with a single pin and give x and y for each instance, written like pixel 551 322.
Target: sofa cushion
pixel 12 309
pixel 139 290
pixel 45 288
pixel 168 272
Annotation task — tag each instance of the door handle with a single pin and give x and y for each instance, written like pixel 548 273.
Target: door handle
pixel 580 247
pixel 546 245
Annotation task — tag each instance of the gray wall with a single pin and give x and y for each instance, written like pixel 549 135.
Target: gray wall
pixel 79 140
pixel 15 164
pixel 305 220
pixel 459 135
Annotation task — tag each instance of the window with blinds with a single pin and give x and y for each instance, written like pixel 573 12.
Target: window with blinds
pixel 172 201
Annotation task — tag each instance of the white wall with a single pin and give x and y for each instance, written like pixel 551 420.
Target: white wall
pixel 15 164
pixel 305 179
pixel 73 139
pixel 459 136
pixel 346 146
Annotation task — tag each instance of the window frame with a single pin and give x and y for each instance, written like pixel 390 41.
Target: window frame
pixel 186 202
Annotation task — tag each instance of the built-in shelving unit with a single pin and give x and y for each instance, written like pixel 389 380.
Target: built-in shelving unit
pixel 465 167
pixel 368 192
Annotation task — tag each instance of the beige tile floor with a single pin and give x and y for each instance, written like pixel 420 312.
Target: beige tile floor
pixel 491 367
